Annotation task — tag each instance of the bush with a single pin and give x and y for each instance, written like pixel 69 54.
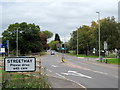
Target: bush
pixel 42 53
pixel 112 56
pixel 25 81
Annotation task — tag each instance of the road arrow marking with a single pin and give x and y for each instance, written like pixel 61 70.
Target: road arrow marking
pixel 79 74
pixel 74 73
pixel 65 74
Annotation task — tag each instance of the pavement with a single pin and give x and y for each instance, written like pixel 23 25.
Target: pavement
pixel 56 82
pixel 84 72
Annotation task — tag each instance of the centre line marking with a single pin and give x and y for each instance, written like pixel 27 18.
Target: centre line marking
pixel 101 72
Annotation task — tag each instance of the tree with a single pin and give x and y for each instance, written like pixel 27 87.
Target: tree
pixel 85 35
pixel 44 40
pixel 57 38
pixel 48 33
pixel 53 44
pixel 28 37
pixel 88 35
pixel 109 33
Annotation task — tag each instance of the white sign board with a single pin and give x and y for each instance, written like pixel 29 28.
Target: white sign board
pixel 3 50
pixel 105 45
pixel 20 64
pixel 93 51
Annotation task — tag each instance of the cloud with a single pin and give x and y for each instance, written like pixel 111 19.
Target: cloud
pixel 60 17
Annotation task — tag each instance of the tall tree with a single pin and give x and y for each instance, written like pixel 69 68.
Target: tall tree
pixel 57 38
pixel 88 35
pixel 53 44
pixel 28 37
pixel 109 30
pixel 48 33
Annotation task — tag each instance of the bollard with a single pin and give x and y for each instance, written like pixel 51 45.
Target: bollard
pixel 63 59
pixel 101 59
pixel 106 61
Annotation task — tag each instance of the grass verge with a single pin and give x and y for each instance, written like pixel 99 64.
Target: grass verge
pixel 25 82
pixel 82 55
pixel 42 53
pixel 112 61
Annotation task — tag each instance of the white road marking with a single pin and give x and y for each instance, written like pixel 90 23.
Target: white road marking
pixel 53 66
pixel 42 67
pixel 65 73
pixel 60 75
pixel 49 70
pixel 69 80
pixel 74 73
pixel 94 70
pixel 79 74
pixel 77 83
pixel 101 72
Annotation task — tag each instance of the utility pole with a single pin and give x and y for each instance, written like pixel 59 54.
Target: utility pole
pixel 8 47
pixel 99 31
pixel 77 42
pixel 17 43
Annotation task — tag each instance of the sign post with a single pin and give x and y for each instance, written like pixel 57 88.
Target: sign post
pixel 105 49
pixel 94 51
pixel 105 45
pixel 7 45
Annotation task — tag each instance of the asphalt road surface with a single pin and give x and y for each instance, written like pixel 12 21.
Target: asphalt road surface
pixel 83 71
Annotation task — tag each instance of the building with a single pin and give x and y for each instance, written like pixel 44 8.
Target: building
pixel 119 11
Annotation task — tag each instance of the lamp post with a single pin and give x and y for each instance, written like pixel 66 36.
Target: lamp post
pixel 77 42
pixel 17 43
pixel 99 30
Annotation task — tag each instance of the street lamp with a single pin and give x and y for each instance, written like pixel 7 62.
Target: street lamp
pixel 99 30
pixel 17 43
pixel 77 41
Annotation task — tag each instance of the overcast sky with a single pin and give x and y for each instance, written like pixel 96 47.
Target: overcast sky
pixel 60 16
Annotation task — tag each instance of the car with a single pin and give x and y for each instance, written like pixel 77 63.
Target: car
pixel 52 53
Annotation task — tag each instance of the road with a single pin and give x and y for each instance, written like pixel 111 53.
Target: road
pixel 84 71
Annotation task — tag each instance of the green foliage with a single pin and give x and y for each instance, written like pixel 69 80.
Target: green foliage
pixel 112 56
pixel 48 33
pixel 88 36
pixel 53 45
pixel 25 82
pixel 42 53
pixel 110 32
pixel 28 37
pixel 57 38
pixel 82 55
pixel 112 61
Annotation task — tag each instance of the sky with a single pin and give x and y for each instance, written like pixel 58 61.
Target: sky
pixel 57 16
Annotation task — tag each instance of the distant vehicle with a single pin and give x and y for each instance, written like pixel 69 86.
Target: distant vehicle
pixel 52 53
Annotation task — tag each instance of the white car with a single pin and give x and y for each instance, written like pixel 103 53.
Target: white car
pixel 52 53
